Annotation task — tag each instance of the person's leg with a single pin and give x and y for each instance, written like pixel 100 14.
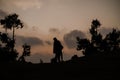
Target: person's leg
pixel 61 56
pixel 55 57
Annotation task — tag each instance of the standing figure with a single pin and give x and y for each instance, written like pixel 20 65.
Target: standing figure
pixel 57 50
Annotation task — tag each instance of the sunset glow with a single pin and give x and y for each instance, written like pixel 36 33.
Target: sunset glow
pixel 45 19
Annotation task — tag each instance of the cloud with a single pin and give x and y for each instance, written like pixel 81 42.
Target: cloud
pixel 70 38
pixel 3 14
pixel 27 4
pixel 104 31
pixel 22 4
pixel 34 28
pixel 48 42
pixel 35 58
pixel 54 31
pixel 33 41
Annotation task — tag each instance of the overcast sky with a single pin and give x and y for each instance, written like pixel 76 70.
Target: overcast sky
pixel 65 19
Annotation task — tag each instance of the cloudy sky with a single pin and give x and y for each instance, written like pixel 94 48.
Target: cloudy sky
pixel 65 19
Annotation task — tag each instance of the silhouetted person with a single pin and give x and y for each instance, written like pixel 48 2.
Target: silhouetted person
pixel 57 50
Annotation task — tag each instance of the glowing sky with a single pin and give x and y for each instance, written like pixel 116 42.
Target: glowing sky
pixel 44 19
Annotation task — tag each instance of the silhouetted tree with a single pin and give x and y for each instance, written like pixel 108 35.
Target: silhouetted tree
pixel 6 54
pixel 4 37
pixel 90 47
pixel 7 51
pixel 113 41
pixel 11 22
pixel 26 52
pixel 98 45
pixel 96 37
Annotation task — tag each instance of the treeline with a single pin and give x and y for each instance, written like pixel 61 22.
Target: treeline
pixel 8 53
pixel 97 45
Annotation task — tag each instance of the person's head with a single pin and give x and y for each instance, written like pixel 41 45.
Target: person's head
pixel 54 38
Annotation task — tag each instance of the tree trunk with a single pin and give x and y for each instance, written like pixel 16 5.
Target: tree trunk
pixel 13 38
pixel 6 30
pixel 13 32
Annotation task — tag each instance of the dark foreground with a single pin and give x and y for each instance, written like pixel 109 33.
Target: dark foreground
pixel 103 70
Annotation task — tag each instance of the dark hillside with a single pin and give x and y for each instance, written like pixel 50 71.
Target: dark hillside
pixel 94 70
